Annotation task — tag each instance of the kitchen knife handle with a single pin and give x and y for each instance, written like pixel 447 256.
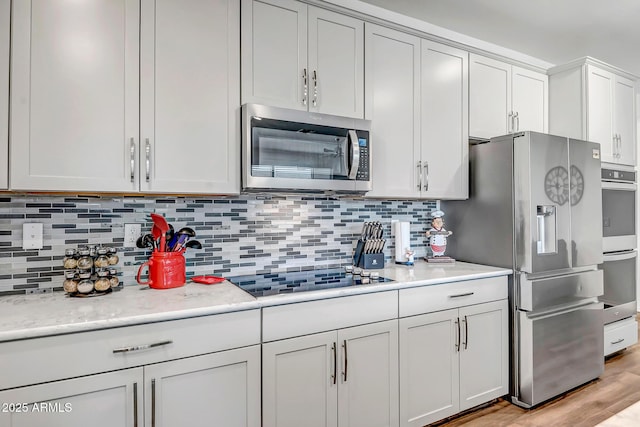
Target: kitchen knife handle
pixel 135 404
pixel 457 321
pixel 419 175
pixel 426 176
pixel 315 88
pixel 344 374
pixel 334 349
pixel 466 332
pixel 355 154
pixel 147 150
pixel 132 148
pixel 142 347
pixel 304 83
pixel 153 403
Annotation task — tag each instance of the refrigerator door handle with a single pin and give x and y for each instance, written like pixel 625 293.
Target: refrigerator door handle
pixel 566 309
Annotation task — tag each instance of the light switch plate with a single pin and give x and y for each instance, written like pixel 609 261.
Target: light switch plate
pixel 32 236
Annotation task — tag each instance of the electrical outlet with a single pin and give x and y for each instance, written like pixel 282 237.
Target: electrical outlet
pixel 32 236
pixel 131 234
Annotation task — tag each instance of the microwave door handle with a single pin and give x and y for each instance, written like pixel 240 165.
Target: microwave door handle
pixel 355 154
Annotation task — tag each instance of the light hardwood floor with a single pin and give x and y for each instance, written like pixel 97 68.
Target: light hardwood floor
pixel 615 390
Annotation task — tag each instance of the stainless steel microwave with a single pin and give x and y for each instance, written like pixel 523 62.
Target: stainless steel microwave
pixel 291 150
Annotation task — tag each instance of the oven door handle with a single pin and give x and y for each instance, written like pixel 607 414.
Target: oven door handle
pixel 355 154
pixel 624 186
pixel 619 256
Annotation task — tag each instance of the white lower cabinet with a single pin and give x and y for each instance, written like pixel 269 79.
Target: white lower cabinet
pixel 452 360
pixel 346 378
pixel 214 389
pixel 103 400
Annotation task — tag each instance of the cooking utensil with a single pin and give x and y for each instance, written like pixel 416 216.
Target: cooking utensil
pixel 156 233
pixel 160 222
pixel 183 235
pixel 145 241
pixel 192 244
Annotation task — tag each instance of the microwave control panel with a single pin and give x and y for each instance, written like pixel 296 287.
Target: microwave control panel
pixel 363 167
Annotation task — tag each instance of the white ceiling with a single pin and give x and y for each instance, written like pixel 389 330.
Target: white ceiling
pixel 556 31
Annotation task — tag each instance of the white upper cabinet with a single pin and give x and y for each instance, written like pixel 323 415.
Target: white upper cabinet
pixel 189 96
pixel 74 95
pixel 416 97
pixel 393 105
pixel 302 57
pixel 593 101
pixel 505 98
pixel 5 6
pixel 88 115
pixel 444 122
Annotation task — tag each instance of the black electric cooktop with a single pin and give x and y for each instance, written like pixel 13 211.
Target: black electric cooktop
pixel 261 285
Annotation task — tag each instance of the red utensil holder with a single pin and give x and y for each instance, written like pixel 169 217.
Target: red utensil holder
pixel 166 270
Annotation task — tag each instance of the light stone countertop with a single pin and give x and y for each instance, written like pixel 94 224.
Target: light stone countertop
pixel 37 315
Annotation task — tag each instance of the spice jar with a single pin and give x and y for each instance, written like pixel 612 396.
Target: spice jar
pixel 85 262
pixel 113 257
pixel 71 282
pixel 102 283
pixel 102 260
pixel 113 273
pixel 70 259
pixel 85 286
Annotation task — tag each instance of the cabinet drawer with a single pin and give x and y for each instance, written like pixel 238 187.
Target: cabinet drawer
pixel 64 356
pixel 619 335
pixel 291 320
pixel 426 299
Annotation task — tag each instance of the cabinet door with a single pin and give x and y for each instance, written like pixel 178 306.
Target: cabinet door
pixel 530 100
pixel 74 95
pixel 484 353
pixel 392 94
pixel 336 69
pixel 489 97
pixel 445 121
pixel 5 6
pixel 104 400
pixel 218 389
pixel 190 96
pixel 299 382
pixel 625 120
pixel 429 385
pixel 600 87
pixel 274 53
pixel 368 392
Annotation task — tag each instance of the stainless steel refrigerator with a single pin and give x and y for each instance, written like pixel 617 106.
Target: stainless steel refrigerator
pixel 535 206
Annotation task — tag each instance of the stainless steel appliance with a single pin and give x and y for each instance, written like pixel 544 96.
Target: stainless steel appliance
pixel 618 210
pixel 301 151
pixel 535 202
pixel 619 298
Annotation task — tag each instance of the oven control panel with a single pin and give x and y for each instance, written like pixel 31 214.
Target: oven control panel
pixel 617 175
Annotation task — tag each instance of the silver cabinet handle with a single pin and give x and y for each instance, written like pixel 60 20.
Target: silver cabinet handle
pixel 419 175
pixel 457 321
pixel 304 82
pixel 135 404
pixel 315 88
pixel 619 146
pixel 355 154
pixel 153 403
pixel 141 347
pixel 426 176
pixel 466 332
pixel 334 349
pixel 147 151
pixel 510 123
pixel 617 341
pixel 462 295
pixel 132 148
pixel 517 119
pixel 344 373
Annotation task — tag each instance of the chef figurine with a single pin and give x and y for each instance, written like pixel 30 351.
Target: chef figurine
pixel 437 234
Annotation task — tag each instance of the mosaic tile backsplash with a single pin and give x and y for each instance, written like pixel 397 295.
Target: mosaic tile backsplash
pixel 240 235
